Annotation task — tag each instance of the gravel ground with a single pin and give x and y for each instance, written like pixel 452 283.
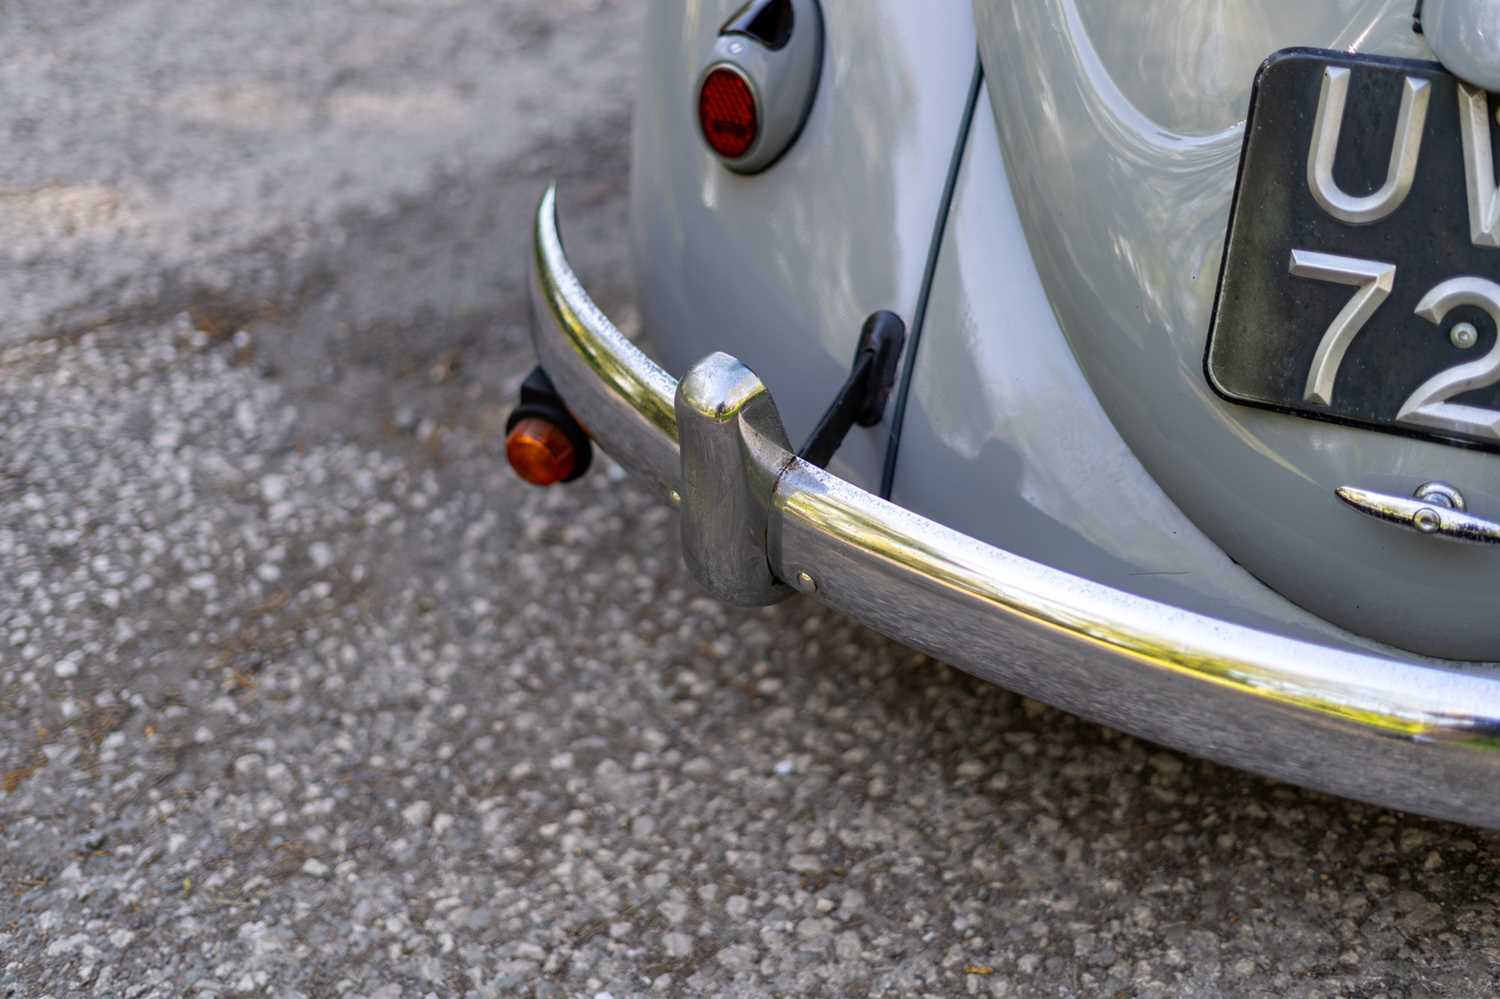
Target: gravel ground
pixel 302 694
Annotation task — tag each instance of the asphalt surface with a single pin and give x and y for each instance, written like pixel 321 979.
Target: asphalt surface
pixel 302 694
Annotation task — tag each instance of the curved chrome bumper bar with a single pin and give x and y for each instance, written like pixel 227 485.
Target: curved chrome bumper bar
pixel 1403 733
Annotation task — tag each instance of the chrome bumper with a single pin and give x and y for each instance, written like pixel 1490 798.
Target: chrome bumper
pixel 759 523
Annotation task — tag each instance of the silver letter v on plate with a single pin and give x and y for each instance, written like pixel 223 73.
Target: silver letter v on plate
pixel 1479 166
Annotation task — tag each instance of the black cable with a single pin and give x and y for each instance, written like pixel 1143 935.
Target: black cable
pixel 914 337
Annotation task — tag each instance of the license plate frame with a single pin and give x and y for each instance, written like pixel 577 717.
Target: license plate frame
pixel 1290 274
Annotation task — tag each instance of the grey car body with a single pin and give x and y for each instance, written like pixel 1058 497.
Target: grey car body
pixel 1054 237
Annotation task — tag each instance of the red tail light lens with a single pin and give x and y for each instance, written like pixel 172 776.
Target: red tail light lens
pixel 726 113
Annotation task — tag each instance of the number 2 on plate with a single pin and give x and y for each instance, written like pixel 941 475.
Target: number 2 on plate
pixel 1429 405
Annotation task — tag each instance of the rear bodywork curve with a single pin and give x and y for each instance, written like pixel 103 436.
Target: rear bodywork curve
pixel 1122 137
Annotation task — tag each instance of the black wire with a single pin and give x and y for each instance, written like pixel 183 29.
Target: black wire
pixel 914 337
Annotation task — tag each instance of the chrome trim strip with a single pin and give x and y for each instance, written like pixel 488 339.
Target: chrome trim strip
pixel 635 420
pixel 1400 732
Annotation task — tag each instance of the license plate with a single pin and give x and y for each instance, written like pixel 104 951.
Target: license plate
pixel 1360 270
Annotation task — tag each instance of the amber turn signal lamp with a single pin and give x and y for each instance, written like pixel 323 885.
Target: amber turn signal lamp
pixel 540 452
pixel 543 442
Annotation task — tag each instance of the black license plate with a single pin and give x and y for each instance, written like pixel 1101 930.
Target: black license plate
pixel 1361 276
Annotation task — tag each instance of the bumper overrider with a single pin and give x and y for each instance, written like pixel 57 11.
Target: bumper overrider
pixel 759 524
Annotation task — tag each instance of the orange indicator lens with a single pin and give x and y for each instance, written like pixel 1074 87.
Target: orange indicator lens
pixel 539 452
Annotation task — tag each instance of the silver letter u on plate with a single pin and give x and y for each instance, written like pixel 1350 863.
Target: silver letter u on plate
pixel 1404 151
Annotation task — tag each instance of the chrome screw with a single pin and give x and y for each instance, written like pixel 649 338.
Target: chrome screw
pixel 1428 520
pixel 1441 494
pixel 1463 335
pixel 806 583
